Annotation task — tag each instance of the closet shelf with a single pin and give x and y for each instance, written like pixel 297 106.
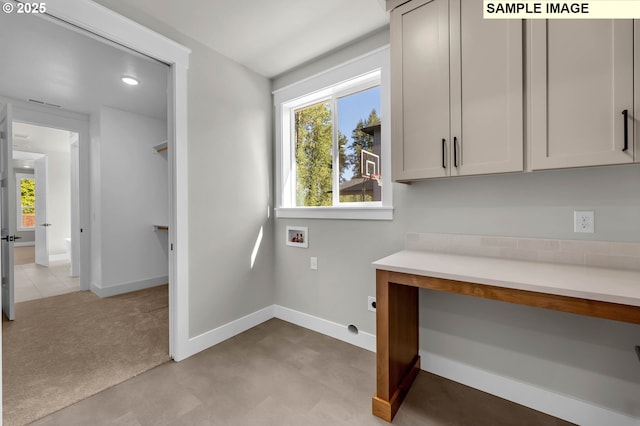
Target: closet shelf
pixel 161 147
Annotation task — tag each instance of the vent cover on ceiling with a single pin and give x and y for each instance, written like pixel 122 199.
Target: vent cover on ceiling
pixel 35 101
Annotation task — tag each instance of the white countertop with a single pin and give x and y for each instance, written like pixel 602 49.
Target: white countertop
pixel 606 285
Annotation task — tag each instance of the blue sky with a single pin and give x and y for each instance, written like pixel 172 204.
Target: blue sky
pixel 355 107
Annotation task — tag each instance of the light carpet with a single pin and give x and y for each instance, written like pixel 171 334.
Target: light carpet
pixel 65 348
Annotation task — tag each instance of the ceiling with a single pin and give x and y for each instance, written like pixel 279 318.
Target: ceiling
pixel 32 138
pixel 65 68
pixel 59 65
pixel 268 36
pixel 31 142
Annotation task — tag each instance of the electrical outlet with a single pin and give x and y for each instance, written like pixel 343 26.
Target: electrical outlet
pixel 583 221
pixel 314 263
pixel 371 303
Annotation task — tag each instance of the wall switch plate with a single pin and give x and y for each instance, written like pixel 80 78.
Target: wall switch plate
pixel 313 263
pixel 371 303
pixel 584 221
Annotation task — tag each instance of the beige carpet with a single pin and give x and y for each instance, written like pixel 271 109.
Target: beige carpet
pixel 62 349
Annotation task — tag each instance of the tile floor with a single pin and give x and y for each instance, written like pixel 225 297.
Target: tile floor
pixel 279 374
pixel 33 281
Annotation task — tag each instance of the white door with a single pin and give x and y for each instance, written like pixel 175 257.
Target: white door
pixel 74 139
pixel 8 210
pixel 42 226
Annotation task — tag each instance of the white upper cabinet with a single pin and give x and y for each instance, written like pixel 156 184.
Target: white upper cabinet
pixel 457 91
pixel 487 99
pixel 581 82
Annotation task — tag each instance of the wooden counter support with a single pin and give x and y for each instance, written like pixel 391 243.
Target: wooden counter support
pixel 397 343
pixel 398 362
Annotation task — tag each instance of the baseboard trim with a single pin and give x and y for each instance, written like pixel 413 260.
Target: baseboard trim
pixel 115 290
pixel 24 244
pixel 218 335
pixel 544 400
pixel 337 331
pixel 58 257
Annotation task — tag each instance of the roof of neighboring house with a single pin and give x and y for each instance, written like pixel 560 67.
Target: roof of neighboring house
pixel 355 185
pixel 371 129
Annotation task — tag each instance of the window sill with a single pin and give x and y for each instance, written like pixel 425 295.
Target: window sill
pixel 351 213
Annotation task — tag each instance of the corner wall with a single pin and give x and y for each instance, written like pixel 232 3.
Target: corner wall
pixel 132 186
pixel 230 182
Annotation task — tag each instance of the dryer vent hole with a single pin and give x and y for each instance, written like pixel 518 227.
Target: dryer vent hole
pixel 352 329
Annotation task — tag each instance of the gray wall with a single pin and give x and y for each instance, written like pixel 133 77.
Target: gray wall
pixel 582 357
pixel 230 173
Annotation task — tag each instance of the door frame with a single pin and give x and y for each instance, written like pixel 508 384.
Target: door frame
pixel 104 22
pixel 36 115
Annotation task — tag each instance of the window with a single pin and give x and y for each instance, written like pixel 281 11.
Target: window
pixel 26 196
pixel 333 144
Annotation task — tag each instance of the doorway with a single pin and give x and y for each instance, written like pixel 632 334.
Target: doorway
pixel 47 194
pixel 174 130
pixel 126 32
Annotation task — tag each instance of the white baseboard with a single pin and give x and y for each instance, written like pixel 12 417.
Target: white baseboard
pixel 338 331
pixel 114 290
pixel 58 257
pixel 217 335
pixel 24 244
pixel 544 400
pixel 213 337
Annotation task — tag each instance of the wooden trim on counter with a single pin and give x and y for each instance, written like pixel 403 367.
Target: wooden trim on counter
pixel 575 305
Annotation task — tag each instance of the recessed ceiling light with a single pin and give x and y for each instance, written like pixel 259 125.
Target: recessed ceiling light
pixel 131 81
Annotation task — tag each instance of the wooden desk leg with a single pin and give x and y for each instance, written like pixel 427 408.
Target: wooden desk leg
pixel 397 361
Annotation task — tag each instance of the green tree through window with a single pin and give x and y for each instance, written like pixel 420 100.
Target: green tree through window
pixel 27 202
pixel 314 140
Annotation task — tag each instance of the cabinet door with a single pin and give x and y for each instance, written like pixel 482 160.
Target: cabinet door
pixel 581 81
pixel 486 91
pixel 420 89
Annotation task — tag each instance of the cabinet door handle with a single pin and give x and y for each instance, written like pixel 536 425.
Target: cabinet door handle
pixel 625 113
pixel 455 151
pixel 444 158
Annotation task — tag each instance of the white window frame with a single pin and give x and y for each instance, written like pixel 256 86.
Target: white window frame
pixel 358 74
pixel 19 205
